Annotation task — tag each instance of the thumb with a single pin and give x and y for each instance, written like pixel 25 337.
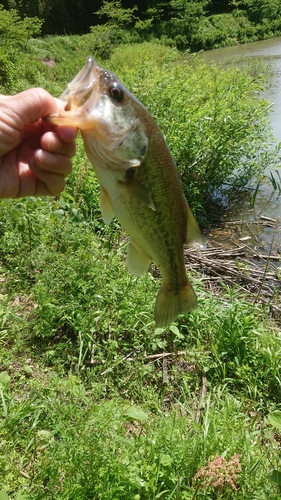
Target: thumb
pixel 30 105
pixel 19 111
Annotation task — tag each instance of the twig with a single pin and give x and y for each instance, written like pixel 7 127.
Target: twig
pixel 165 371
pixel 268 218
pixel 267 222
pixel 270 257
pixel 22 473
pixel 265 271
pixel 164 355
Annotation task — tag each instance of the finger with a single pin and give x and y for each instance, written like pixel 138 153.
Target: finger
pixel 55 187
pixel 51 142
pixel 66 134
pixel 46 162
pixel 30 105
pixel 48 182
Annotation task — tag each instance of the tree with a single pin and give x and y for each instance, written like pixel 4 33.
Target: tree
pixel 114 13
pixel 185 19
pixel 259 11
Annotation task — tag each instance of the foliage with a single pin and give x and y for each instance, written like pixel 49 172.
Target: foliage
pixel 109 426
pixel 14 36
pixel 259 11
pixel 184 21
pixel 275 421
pixel 115 14
pixel 188 25
pixel 213 121
pixel 77 447
pixel 106 38
pixel 13 30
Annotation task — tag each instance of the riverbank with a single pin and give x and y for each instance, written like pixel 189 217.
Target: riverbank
pixel 264 197
pixel 235 260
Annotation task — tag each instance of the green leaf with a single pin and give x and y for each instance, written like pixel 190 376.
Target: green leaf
pixel 174 329
pixel 275 419
pixel 275 477
pixel 166 460
pixel 161 344
pixel 136 413
pixel 159 331
pixel 59 213
pixel 4 381
pixel 79 391
pixel 3 495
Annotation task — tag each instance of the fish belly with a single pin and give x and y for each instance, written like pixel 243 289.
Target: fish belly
pixel 150 241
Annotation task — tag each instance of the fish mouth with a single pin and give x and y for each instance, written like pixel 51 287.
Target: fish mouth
pixel 81 87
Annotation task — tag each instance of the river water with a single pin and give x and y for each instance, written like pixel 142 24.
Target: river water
pixel 268 202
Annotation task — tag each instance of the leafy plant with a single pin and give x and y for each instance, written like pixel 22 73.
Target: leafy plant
pixel 216 128
pixel 275 421
pixel 14 35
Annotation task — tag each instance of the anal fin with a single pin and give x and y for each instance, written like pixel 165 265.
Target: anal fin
pixel 105 206
pixel 137 261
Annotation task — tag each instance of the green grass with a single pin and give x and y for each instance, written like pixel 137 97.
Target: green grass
pixel 114 430
pixel 85 412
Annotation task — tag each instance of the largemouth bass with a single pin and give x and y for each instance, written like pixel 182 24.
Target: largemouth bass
pixel 140 183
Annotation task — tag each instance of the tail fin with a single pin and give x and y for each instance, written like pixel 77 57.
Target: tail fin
pixel 171 303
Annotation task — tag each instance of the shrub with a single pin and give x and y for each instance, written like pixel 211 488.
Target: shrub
pixel 14 63
pixel 214 122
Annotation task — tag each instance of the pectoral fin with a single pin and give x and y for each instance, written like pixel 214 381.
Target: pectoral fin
pixel 193 233
pixel 137 261
pixel 105 206
pixel 136 189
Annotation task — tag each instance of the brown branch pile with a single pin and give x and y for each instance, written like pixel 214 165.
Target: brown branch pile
pixel 241 266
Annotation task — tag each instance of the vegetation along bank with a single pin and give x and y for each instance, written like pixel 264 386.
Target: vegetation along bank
pixel 95 403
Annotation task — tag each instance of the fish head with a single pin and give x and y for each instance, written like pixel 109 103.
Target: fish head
pixel 108 115
pixel 81 87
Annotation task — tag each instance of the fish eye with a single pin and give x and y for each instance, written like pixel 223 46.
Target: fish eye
pixel 116 92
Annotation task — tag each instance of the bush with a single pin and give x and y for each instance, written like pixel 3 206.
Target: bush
pixel 213 120
pixel 14 61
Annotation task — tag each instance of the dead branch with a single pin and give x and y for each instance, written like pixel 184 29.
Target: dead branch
pixel 203 392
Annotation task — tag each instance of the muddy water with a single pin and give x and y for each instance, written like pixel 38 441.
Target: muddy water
pixel 262 234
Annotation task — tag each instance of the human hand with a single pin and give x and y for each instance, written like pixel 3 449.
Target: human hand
pixel 35 156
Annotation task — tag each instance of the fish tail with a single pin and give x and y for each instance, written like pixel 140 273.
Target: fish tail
pixel 171 303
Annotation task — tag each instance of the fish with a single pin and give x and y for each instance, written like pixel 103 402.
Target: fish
pixel 139 182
